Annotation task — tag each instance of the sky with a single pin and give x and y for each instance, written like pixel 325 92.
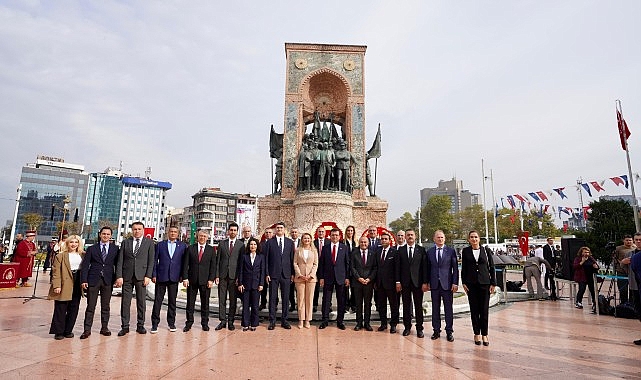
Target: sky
pixel 190 89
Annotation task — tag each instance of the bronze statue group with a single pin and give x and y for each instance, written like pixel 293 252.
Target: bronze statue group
pixel 375 267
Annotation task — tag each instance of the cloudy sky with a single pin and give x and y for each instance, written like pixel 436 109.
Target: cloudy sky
pixel 191 88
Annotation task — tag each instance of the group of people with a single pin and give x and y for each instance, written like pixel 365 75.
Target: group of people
pixel 371 268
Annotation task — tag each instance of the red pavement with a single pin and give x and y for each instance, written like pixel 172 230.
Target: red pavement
pixel 539 340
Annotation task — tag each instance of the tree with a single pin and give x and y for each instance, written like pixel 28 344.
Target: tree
pixel 73 228
pixel 608 221
pixel 33 220
pixel 467 220
pixel 436 215
pixel 405 222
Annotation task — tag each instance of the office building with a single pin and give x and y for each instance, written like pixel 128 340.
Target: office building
pixel 460 198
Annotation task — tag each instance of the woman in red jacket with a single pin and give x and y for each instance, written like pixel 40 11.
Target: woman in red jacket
pixel 584 268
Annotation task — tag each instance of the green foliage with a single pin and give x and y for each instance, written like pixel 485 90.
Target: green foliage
pixel 435 215
pixel 406 221
pixel 33 220
pixel 608 221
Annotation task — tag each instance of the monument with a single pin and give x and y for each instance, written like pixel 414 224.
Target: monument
pixel 321 171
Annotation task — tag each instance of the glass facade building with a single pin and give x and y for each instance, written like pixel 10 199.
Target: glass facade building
pixel 45 185
pixel 103 202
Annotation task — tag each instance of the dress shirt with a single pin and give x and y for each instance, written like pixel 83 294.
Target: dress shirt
pixel 171 247
pixel 476 253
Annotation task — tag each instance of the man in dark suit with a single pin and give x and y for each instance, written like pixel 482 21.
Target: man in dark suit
pixel 319 243
pixel 372 236
pixel 549 255
pixel 97 276
pixel 134 269
pixel 199 273
pixel 386 283
pixel 364 268
pixel 167 274
pixel 333 272
pixel 229 251
pixel 280 274
pixel 411 281
pixel 442 280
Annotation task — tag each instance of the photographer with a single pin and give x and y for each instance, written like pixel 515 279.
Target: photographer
pixel 584 268
pixel 622 266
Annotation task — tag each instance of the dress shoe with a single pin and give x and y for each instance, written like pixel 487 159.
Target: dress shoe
pixel 141 330
pixel 315 309
pixel 220 326
pixel 368 327
pixel 245 328
pixel 261 308
pixel 186 328
pixel 105 332
pixel 85 335
pixel 392 330
pixel 637 342
pixel 486 341
pixel 477 340
pixel 450 337
pixel 323 325
pixel 382 328
pixel 406 332
pixel 252 328
pixel 123 332
pixel 271 326
pixel 292 308
pixel 435 336
pixel 420 334
pixel 205 327
pixel 154 329
pixel 286 325
pixel 357 328
pixel 230 326
pixel 59 337
pixel 340 325
pixel 172 328
pixel 69 335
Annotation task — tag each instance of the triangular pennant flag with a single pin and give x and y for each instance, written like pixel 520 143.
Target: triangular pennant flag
pixel 534 196
pixel 519 197
pixel 510 200
pixel 596 186
pixel 587 188
pixel 542 195
pixel 560 192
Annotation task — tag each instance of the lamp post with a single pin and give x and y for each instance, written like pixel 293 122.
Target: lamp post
pixel 65 210
pixel 15 220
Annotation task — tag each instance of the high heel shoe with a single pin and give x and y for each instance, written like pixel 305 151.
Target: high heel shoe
pixel 477 340
pixel 486 341
pixel 306 325
pixel 300 324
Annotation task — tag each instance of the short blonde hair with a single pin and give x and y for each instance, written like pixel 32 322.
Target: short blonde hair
pixel 81 245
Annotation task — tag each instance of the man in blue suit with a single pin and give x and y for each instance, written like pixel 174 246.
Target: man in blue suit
pixel 333 269
pixel 280 273
pixel 167 274
pixel 442 281
pixel 97 276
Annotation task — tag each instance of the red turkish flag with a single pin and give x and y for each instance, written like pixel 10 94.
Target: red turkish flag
pixel 624 132
pixel 150 232
pixel 524 237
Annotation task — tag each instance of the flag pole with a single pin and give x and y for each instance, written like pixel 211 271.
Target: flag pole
pixel 635 206
pixel 484 203
pixel 376 164
pixel 495 207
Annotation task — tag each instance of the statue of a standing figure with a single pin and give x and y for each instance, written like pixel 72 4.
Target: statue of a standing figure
pixel 341 170
pixel 327 162
pixel 325 134
pixel 368 176
pixel 278 173
pixel 305 160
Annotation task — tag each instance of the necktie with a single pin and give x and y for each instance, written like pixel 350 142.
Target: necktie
pixel 104 253
pixel 231 247
pixel 410 253
pixel 200 254
pixel 334 254
pixel 137 247
pixel 371 243
pixel 280 245
pixel 364 258
pixel 439 255
pixel 383 255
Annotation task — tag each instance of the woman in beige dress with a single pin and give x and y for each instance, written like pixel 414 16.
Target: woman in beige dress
pixel 305 266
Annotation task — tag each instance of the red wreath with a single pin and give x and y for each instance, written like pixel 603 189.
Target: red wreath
pixel 379 232
pixel 328 226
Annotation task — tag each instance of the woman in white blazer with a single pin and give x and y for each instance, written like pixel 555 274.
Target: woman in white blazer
pixel 305 266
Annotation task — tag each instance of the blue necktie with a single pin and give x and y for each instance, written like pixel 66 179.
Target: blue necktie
pixel 104 253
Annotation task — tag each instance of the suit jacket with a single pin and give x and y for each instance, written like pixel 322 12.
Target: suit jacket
pixel 199 272
pixel 377 243
pixel 251 276
pixel 304 267
pixel 93 267
pixel 481 272
pixel 320 249
pixel 387 269
pixel 367 270
pixel 350 244
pixel 62 278
pixel 227 265
pixel 340 269
pixel 279 265
pixel 548 255
pixel 412 271
pixel 444 272
pixel 166 268
pixel 140 266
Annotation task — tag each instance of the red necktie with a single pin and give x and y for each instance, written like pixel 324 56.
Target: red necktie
pixel 334 254
pixel 200 254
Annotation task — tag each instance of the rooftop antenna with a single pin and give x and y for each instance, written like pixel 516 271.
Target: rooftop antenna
pixel 148 172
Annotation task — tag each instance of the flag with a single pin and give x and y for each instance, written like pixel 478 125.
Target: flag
pixel 621 180
pixel 519 197
pixel 375 150
pixel 510 200
pixel 596 186
pixel 496 211
pixel 624 132
pixel 545 210
pixel 540 212
pixel 542 195
pixel 563 210
pixel 565 226
pixel 502 204
pixel 585 211
pixel 587 189
pixel 524 242
pixel 275 144
pixel 534 196
pixel 150 232
pixel 560 192
pixel 192 237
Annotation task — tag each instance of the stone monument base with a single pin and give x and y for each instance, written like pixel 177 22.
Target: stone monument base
pixel 309 210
